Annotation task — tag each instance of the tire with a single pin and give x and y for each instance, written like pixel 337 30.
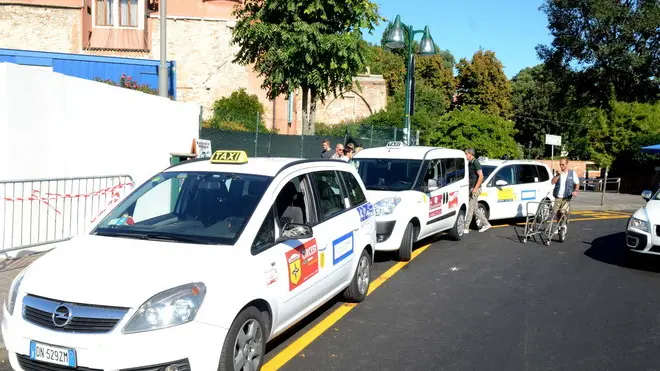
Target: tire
pixel 250 316
pixel 486 211
pixel 404 253
pixel 357 291
pixel 456 233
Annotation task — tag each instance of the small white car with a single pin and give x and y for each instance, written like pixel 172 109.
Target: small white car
pixel 643 232
pixel 196 269
pixel 510 184
pixel 417 192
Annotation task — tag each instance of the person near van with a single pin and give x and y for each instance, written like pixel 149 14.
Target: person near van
pixel 339 152
pixel 326 153
pixel 348 153
pixel 476 177
pixel 567 184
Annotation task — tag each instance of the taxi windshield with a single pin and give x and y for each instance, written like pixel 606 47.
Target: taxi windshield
pixel 387 174
pixel 190 207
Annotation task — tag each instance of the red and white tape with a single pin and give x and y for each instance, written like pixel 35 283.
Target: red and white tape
pixel 36 196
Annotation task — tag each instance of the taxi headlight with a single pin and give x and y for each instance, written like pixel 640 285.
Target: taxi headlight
pixel 386 206
pixel 171 307
pixel 10 303
pixel 642 225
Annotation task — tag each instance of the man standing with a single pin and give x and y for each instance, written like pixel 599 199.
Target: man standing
pixel 326 153
pixel 339 152
pixel 476 176
pixel 567 184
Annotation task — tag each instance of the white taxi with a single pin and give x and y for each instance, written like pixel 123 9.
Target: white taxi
pixel 196 269
pixel 643 232
pixel 416 191
pixel 509 185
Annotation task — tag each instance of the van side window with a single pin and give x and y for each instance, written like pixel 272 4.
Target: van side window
pixel 355 194
pixel 543 173
pixel 526 174
pixel 506 173
pixel 330 193
pixel 453 169
pixel 433 172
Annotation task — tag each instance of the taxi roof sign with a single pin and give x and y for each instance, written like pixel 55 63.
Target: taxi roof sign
pixel 395 144
pixel 229 157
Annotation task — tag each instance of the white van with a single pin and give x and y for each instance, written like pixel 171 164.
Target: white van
pixel 510 184
pixel 416 191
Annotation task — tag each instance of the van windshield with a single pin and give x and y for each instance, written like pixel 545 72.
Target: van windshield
pixel 387 174
pixel 191 207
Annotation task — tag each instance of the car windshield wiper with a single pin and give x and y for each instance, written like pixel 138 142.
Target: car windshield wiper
pixel 155 236
pixel 378 188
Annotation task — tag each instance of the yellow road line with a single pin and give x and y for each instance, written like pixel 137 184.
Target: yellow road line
pixel 307 338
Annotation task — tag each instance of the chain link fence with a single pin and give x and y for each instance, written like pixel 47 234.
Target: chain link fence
pixel 300 146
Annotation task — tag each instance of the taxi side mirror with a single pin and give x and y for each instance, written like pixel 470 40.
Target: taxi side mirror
pixel 647 195
pixel 501 183
pixel 295 231
pixel 431 186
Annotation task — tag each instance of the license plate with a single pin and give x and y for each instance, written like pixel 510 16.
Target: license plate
pixel 52 354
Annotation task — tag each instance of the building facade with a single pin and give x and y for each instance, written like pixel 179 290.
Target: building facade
pixel 198 39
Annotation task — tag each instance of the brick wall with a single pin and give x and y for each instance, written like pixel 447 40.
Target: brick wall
pixel 203 59
pixel 579 166
pixel 40 28
pixel 355 104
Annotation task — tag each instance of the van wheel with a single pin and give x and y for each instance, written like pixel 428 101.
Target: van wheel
pixel 245 344
pixel 459 226
pixel 484 210
pixel 359 287
pixel 405 250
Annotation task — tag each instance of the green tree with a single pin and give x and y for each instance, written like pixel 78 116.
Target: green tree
pixel 316 46
pixel 537 106
pixel 238 109
pixel 465 127
pixel 390 65
pixel 482 82
pixel 433 72
pixel 608 49
pixel 608 134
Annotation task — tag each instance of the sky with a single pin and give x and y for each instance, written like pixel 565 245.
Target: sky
pixel 510 28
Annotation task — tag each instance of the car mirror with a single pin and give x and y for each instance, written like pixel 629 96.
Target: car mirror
pixel 647 195
pixel 295 231
pixel 501 183
pixel 431 186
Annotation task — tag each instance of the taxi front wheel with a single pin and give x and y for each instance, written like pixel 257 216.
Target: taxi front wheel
pixel 245 344
pixel 359 286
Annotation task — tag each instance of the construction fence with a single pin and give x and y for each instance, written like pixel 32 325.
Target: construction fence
pixel 300 146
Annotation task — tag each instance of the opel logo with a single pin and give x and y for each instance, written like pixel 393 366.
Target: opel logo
pixel 62 316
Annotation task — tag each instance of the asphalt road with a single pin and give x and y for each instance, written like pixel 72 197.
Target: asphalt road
pixel 490 302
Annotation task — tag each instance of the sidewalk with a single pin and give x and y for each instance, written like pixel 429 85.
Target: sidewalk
pixel 613 201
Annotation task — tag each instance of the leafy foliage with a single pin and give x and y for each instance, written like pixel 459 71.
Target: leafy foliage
pixel 239 110
pixel 315 45
pixel 608 49
pixel 129 83
pixel 490 135
pixel 482 82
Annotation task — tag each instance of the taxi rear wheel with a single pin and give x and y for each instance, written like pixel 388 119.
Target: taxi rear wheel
pixel 245 344
pixel 359 286
pixel 405 250
pixel 458 230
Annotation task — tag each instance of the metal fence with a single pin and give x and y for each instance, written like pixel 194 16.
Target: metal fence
pixel 301 146
pixel 37 212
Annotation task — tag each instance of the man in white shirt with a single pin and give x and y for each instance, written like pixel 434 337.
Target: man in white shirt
pixel 567 184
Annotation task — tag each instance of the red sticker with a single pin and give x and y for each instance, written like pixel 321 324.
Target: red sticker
pixel 435 206
pixel 453 200
pixel 303 262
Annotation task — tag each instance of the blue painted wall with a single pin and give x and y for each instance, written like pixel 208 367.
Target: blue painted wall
pixel 90 67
